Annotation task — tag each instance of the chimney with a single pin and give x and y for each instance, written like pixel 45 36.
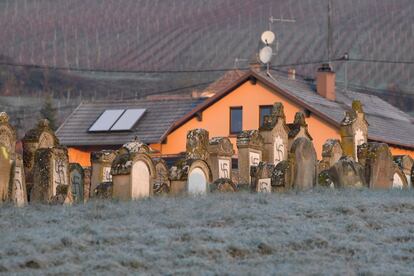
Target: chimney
pixel 291 74
pixel 255 66
pixel 325 82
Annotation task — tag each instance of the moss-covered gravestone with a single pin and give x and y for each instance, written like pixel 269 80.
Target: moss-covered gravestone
pixel 331 153
pixel 399 180
pixel 405 163
pixel 220 152
pixel 76 181
pixel 161 180
pixel 354 130
pixel 302 164
pixel 40 137
pixel 275 136
pixel 378 163
pixel 250 147
pixel 101 167
pixel 261 176
pixel 178 175
pixel 298 129
pixel 86 183
pixel 7 154
pixel 346 172
pixel 18 193
pixel 51 176
pixel 133 173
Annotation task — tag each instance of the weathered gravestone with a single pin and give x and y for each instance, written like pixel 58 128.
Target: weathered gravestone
pixel 18 190
pixel 261 176
pixel 275 135
pixel 40 137
pixel 7 154
pixel 133 172
pixel 302 164
pixel 101 167
pixel 223 185
pixel 344 173
pixel 178 177
pixel 250 147
pixel 331 153
pixel 199 177
pixel 51 176
pixel 399 180
pixel 378 163
pixel 87 172
pixel 76 176
pixel 298 129
pixel 405 163
pixel 354 130
pixel 220 152
pixel 161 181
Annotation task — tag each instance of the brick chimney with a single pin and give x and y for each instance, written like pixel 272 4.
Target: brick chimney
pixel 291 74
pixel 325 82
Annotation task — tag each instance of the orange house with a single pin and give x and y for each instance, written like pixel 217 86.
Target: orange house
pixel 241 105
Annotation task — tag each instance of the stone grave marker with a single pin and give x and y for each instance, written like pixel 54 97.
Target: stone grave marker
pixel 161 180
pixel 275 135
pixel 406 163
pixel 302 163
pixel 346 172
pixel 299 128
pixel 261 176
pixel 51 176
pixel 250 147
pixel 101 167
pixel 223 185
pixel 331 153
pixel 220 152
pixel 178 177
pixel 197 144
pixel 199 177
pixel 76 181
pixel 40 137
pixel 378 163
pixel 18 190
pixel 399 180
pixel 7 153
pixel 87 171
pixel 354 130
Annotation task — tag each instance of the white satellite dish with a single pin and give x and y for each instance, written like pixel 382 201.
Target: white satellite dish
pixel 265 54
pixel 268 37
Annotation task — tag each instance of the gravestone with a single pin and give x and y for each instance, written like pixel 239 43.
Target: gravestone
pixel 199 177
pixel 86 183
pixel 302 163
pixel 197 144
pixel 7 153
pixel 399 180
pixel 282 179
pixel 346 172
pixel 220 152
pixel 298 129
pixel 354 130
pixel 331 153
pixel 133 174
pixel 275 135
pixel 161 180
pixel 250 147
pixel 406 163
pixel 51 176
pixel 223 185
pixel 261 176
pixel 18 189
pixel 40 137
pixel 101 167
pixel 178 177
pixel 378 163
pixel 76 176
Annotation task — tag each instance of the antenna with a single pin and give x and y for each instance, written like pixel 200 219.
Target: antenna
pixel 329 40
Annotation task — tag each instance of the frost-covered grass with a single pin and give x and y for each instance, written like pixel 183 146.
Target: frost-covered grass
pixel 328 232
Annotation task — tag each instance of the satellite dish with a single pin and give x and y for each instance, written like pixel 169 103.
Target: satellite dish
pixel 268 37
pixel 265 54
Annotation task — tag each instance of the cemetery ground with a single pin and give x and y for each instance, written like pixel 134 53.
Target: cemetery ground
pixel 320 231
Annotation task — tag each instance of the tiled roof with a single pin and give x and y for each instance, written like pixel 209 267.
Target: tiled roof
pixel 158 118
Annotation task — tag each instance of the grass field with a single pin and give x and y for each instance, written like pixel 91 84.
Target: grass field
pixel 316 232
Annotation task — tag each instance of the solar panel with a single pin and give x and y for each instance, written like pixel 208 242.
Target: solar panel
pixel 128 119
pixel 106 120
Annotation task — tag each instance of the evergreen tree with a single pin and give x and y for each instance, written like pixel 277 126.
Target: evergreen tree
pixel 49 112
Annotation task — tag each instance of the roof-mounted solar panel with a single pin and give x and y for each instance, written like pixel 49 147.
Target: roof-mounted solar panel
pixel 106 120
pixel 128 119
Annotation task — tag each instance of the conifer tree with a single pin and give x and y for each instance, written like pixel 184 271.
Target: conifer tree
pixel 49 112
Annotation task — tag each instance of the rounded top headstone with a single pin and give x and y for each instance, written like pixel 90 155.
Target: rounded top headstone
pixel 4 118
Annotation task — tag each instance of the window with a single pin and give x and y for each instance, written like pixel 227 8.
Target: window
pixel 264 110
pixel 236 120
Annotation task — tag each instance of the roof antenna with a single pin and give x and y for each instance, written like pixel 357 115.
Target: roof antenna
pixel 237 62
pixel 346 58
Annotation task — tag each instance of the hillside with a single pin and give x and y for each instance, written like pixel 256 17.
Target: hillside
pixel 317 232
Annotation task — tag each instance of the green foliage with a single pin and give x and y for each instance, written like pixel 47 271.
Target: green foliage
pixel 49 112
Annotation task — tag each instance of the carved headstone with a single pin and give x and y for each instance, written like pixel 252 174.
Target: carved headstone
pixel 101 167
pixel 406 163
pixel 250 147
pixel 223 185
pixel 76 181
pixel 399 180
pixel 344 173
pixel 354 130
pixel 86 183
pixel 178 177
pixel 51 176
pixel 40 137
pixel 197 144
pixel 220 152
pixel 299 128
pixel 7 152
pixel 161 180
pixel 133 174
pixel 199 177
pixel 331 153
pixel 275 135
pixel 379 165
pixel 18 190
pixel 282 178
pixel 302 162
pixel 261 176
